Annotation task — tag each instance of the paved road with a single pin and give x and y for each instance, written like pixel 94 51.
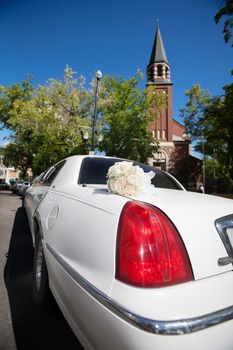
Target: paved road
pixel 8 207
pixel 22 326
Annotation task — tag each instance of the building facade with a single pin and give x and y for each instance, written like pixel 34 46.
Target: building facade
pixel 174 154
pixel 6 173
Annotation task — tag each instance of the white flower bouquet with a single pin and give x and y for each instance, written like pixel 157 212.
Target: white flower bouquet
pixel 127 179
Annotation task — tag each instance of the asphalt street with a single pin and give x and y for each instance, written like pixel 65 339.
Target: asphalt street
pixel 8 209
pixel 22 326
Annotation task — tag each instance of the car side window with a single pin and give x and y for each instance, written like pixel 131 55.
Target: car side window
pixel 52 173
pixel 38 180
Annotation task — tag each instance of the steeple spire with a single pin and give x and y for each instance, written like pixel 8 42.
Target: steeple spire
pixel 158 69
pixel 158 53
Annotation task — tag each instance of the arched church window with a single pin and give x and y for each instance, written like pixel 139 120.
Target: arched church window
pixel 167 72
pixel 151 74
pixel 160 70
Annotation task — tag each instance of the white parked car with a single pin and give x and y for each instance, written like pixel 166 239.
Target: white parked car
pixel 23 187
pixel 152 270
pixel 16 186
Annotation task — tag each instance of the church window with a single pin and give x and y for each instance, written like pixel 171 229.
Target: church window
pixel 159 70
pixel 164 134
pixel 158 134
pixel 167 72
pixel 151 74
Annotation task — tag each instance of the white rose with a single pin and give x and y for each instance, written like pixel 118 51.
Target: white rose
pixel 139 187
pixel 126 167
pixel 130 191
pixel 111 186
pixel 132 179
pixel 120 185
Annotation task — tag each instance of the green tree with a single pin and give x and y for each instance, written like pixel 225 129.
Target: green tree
pixel 156 100
pixel 212 168
pixel 18 155
pixel 22 91
pixel 47 122
pixel 48 126
pixel 209 121
pixel 125 133
pixel 226 11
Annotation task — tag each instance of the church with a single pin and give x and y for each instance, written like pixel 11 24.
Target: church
pixel 174 154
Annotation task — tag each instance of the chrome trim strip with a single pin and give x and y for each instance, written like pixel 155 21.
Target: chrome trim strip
pixel 176 327
pixel 222 224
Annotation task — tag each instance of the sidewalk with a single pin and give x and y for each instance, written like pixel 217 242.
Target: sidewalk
pixel 8 206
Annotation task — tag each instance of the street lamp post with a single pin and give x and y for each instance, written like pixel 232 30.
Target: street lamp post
pixel 203 160
pixel 98 77
pixel 85 137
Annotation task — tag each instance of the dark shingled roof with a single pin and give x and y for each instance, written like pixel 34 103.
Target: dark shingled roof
pixel 158 53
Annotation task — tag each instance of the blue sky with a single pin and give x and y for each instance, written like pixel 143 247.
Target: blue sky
pixel 39 37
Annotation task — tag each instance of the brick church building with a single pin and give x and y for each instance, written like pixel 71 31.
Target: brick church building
pixel 174 154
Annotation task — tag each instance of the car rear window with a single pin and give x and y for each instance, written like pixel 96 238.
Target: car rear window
pixel 94 171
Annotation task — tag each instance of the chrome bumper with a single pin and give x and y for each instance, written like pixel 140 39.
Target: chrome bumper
pixel 176 327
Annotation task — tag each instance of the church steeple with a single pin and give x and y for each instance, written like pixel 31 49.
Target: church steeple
pixel 173 153
pixel 158 69
pixel 158 79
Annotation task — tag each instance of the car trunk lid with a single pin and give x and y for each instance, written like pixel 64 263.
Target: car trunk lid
pixel 197 217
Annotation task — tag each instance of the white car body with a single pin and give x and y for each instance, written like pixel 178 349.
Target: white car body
pixel 79 223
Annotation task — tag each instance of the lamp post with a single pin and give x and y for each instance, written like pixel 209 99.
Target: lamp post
pixel 98 77
pixel 203 160
pixel 85 137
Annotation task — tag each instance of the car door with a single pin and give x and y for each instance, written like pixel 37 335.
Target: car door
pixel 38 191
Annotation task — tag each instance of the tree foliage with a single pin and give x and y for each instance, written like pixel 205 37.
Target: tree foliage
pixel 209 121
pixel 213 169
pixel 17 92
pixel 226 11
pixel 125 132
pixel 47 126
pixel 18 154
pixel 48 122
pixel 156 100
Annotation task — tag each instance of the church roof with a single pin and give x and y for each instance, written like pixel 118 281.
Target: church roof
pixel 158 53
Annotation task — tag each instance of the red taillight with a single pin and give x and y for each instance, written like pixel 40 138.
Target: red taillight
pixel 150 252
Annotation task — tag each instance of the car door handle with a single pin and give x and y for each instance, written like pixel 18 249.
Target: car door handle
pixel 52 217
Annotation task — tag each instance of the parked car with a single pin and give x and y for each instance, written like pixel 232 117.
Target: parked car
pixel 23 187
pixel 16 186
pixel 4 185
pixel 149 269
